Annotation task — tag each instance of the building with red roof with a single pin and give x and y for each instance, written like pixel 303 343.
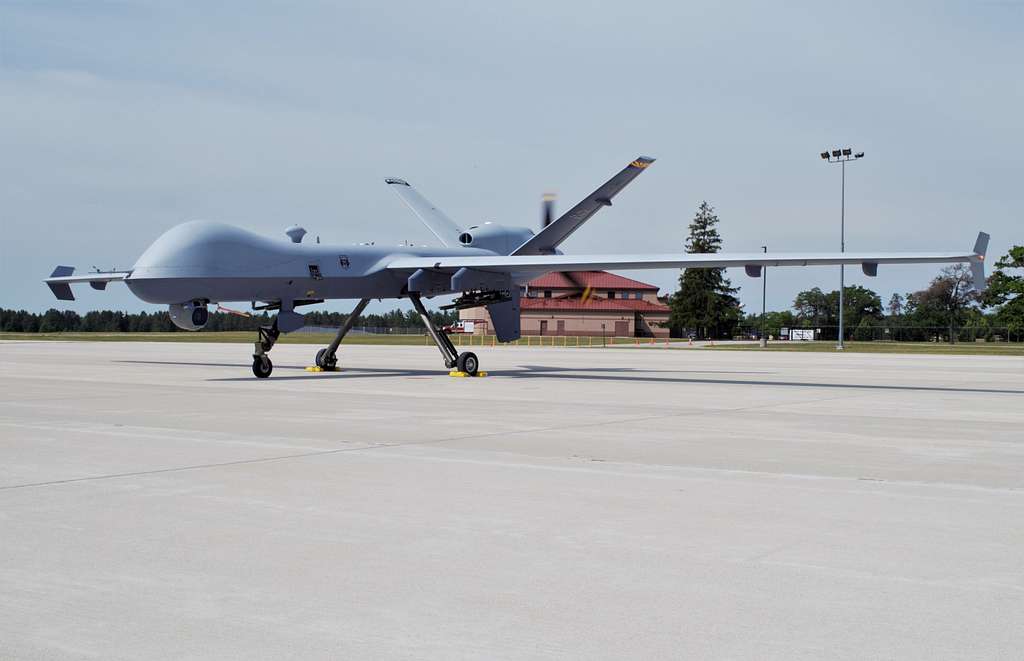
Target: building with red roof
pixel 584 303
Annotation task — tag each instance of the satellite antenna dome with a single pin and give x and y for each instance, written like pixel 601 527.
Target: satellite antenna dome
pixel 295 233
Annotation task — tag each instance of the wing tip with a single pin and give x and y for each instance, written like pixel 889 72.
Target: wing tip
pixel 642 161
pixel 981 244
pixel 396 181
pixel 978 263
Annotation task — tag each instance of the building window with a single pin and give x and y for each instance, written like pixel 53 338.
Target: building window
pixel 547 293
pixel 638 296
pixel 611 294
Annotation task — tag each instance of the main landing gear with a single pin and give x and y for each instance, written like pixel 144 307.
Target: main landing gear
pixel 327 358
pixel 261 365
pixel 465 362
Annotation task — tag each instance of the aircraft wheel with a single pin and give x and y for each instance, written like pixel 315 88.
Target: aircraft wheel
pixel 323 361
pixel 468 363
pixel 262 367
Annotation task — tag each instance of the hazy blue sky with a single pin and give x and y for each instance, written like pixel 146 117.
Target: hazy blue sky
pixel 120 120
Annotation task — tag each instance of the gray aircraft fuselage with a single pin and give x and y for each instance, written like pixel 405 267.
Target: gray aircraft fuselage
pixel 216 262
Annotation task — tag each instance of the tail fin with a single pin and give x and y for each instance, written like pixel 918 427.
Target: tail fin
pixel 62 290
pixel 978 263
pixel 446 231
pixel 548 239
pixel 63 277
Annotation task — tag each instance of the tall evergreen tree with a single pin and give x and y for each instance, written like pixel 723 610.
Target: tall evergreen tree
pixel 705 302
pixel 895 305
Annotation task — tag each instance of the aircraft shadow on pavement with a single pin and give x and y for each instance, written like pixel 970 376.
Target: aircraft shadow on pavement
pixel 607 374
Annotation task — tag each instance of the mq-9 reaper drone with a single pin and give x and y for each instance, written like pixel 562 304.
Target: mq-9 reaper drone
pixel 198 263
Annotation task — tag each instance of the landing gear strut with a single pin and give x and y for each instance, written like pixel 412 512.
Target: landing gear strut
pixel 466 362
pixel 327 358
pixel 261 365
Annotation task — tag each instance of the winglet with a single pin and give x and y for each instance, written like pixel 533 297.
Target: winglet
pixel 62 290
pixel 978 262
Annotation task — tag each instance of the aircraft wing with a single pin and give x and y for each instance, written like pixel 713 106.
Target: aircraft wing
pixel 62 278
pixel 752 262
pixel 549 238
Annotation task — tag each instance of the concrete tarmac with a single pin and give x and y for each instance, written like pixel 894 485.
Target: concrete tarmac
pixel 159 502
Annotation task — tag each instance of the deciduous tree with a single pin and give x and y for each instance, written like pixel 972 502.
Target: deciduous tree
pixel 1006 291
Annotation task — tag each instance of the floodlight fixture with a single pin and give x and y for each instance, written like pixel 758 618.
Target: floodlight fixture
pixel 836 153
pixel 824 155
pixel 859 154
pixel 847 151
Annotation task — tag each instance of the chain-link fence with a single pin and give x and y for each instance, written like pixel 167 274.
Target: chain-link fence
pixel 372 330
pixel 891 333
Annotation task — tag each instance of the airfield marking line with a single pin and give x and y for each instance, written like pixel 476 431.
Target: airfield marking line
pixel 178 469
pixel 377 446
pixel 712 473
pixel 377 449
pixel 851 573
pixel 663 472
pixel 172 435
pixel 239 462
pixel 437 441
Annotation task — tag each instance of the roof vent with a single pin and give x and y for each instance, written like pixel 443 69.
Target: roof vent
pixel 295 233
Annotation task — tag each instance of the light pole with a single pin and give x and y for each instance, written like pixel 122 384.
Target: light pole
pixel 841 156
pixel 764 296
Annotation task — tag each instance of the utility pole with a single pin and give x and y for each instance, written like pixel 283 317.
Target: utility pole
pixel 841 156
pixel 764 297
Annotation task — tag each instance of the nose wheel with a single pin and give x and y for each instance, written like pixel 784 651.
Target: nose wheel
pixel 262 367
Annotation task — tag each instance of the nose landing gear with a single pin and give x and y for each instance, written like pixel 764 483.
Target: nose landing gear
pixel 261 365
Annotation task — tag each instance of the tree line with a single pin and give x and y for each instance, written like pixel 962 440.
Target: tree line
pixel 705 304
pixel 111 321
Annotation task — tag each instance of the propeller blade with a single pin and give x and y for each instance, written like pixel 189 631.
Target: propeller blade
pixel 548 210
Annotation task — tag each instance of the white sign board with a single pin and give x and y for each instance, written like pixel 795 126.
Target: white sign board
pixel 803 334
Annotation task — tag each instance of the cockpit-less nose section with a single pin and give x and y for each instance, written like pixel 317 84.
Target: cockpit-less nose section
pixel 196 264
